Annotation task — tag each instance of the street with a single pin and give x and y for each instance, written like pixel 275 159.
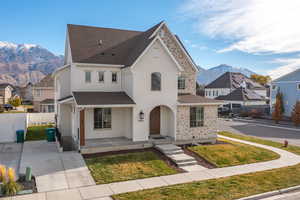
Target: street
pixel 263 130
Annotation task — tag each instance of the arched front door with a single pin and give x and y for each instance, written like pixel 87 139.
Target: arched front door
pixel 155 121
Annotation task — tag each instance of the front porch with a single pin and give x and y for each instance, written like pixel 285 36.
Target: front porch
pixel 101 145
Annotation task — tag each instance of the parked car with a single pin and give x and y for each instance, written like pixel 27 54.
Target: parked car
pixel 223 111
pixel 7 107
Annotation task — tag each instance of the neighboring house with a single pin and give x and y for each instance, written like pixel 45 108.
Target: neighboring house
pixel 6 92
pixel 130 84
pixel 224 88
pixel 43 95
pixel 25 93
pixel 289 85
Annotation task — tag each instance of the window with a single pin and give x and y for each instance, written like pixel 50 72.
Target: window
pixel 298 86
pixel 273 87
pixel 100 77
pixel 102 118
pixel 213 92
pixel 38 92
pixel 88 76
pixel 196 116
pixel 217 93
pixel 114 77
pixel 50 108
pixel 181 83
pixel 209 93
pixel 156 81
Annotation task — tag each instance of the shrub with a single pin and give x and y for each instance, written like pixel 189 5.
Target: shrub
pixel 296 114
pixel 2 174
pixel 10 186
pixel 1 109
pixel 279 108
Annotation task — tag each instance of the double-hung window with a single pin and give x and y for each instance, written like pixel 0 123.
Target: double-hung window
pixel 101 77
pixel 88 76
pixel 298 86
pixel 156 81
pixel 181 83
pixel 114 77
pixel 196 116
pixel 102 118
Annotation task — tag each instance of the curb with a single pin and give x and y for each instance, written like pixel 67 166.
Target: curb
pixel 272 193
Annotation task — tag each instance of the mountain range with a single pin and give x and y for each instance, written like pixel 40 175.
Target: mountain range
pixel 23 63
pixel 206 76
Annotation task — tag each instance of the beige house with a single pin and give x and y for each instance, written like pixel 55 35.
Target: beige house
pixel 43 95
pixel 6 92
pixel 138 87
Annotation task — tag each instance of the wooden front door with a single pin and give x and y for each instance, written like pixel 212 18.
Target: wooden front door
pixel 82 133
pixel 155 121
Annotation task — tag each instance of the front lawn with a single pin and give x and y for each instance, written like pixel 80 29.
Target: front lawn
pixel 290 148
pixel 230 153
pixel 127 166
pixel 37 132
pixel 228 188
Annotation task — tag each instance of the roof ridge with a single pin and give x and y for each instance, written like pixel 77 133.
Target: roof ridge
pixel 119 29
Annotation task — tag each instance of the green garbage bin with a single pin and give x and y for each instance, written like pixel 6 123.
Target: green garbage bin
pixel 20 136
pixel 50 132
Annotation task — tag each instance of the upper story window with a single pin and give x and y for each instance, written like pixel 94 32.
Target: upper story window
pixel 114 77
pixel 102 118
pixel 156 81
pixel 88 76
pixel 38 92
pixel 181 83
pixel 196 116
pixel 101 77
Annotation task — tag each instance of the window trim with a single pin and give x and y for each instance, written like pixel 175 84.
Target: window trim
pixel 180 83
pixel 197 122
pixel 98 79
pixel 103 117
pixel 152 76
pixel 85 76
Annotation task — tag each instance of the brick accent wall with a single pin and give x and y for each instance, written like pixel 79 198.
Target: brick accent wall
pixel 189 72
pixel 206 132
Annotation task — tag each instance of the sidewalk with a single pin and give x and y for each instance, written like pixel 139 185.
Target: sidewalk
pixel 104 191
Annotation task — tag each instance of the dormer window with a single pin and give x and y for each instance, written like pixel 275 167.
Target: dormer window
pixel 101 77
pixel 181 83
pixel 156 81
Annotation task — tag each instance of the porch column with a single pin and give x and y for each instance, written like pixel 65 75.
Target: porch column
pixel 82 127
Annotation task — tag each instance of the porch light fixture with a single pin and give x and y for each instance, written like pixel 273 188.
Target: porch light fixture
pixel 141 115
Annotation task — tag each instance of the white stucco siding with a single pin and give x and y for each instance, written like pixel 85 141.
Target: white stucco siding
pixel 166 122
pixel 78 79
pixel 156 59
pixel 127 81
pixel 121 124
pixel 63 84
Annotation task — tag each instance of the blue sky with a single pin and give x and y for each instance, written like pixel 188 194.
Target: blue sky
pixel 200 24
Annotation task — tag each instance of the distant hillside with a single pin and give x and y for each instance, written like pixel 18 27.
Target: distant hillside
pixel 207 76
pixel 23 63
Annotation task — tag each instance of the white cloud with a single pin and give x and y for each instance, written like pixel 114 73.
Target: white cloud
pixel 253 26
pixel 287 65
pixel 194 45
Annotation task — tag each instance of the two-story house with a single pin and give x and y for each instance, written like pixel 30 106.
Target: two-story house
pixel 289 86
pixel 43 95
pixel 138 85
pixel 6 92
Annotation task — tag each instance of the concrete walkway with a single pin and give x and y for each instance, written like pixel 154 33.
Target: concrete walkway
pixel 104 191
pixel 54 170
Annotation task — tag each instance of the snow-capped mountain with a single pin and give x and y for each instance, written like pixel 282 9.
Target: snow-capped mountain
pixel 207 76
pixel 23 63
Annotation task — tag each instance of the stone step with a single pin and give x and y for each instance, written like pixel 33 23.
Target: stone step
pixel 180 158
pixel 188 163
pixel 165 148
pixel 168 153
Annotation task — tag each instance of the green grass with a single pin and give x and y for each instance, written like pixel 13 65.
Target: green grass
pixel 290 148
pixel 127 166
pixel 233 153
pixel 228 188
pixel 37 132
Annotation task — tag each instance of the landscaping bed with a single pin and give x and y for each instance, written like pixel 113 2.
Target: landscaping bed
pixel 228 188
pixel 37 132
pixel 129 165
pixel 290 148
pixel 229 153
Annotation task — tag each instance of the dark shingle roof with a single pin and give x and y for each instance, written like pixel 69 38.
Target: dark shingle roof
pixel 4 85
pixel 233 80
pixel 118 47
pixel 241 94
pixel 102 98
pixel 47 101
pixel 190 99
pixel 47 81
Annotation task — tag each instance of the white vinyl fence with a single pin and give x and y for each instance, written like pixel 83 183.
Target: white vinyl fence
pixel 11 122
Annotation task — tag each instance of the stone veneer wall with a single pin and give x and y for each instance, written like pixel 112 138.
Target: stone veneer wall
pixel 206 132
pixel 189 72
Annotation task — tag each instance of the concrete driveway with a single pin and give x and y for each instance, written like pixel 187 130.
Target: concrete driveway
pixel 54 170
pixel 10 154
pixel 263 130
